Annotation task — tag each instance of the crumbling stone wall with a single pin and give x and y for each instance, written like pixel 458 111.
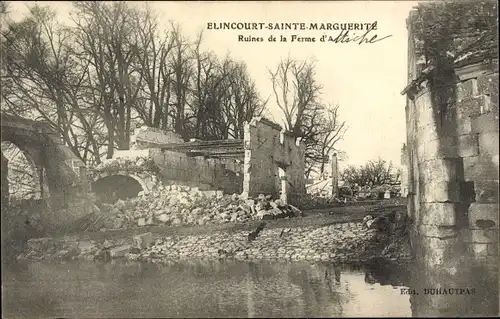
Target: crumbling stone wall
pixel 198 171
pixel 174 168
pixel 452 154
pixel 135 164
pixel 178 168
pixel 274 161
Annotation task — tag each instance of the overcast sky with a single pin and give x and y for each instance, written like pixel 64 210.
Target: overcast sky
pixel 365 80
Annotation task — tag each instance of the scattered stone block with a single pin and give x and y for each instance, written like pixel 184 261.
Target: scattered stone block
pixel 141 222
pixel 117 223
pixel 87 247
pixel 480 250
pixel 209 193
pixel 279 203
pixel 107 244
pixel 163 218
pixel 40 244
pixel 143 241
pixel 120 251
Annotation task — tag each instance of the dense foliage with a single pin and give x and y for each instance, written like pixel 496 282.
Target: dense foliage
pixel 374 173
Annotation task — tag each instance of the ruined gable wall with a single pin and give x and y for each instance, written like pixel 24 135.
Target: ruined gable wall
pixel 267 148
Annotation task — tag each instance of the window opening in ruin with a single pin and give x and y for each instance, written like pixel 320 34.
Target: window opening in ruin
pixel 284 184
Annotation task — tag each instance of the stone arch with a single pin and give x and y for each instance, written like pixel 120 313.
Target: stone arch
pixel 109 186
pixel 60 171
pixel 31 158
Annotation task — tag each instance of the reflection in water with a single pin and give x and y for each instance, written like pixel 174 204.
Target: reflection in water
pixel 386 272
pixel 199 289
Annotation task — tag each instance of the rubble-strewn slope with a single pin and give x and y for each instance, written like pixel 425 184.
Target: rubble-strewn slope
pixel 182 205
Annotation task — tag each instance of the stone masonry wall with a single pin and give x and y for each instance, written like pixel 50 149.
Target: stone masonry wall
pixel 212 173
pixel 179 169
pixel 274 160
pixel 223 174
pixel 452 155
pixel 61 185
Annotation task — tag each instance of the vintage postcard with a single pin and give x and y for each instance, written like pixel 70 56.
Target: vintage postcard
pixel 228 159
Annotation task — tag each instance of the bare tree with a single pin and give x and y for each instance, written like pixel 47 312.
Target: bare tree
pixel 107 42
pixel 41 79
pixel 242 100
pixel 181 64
pixel 154 49
pixel 115 68
pixel 330 131
pixel 298 95
pixel 207 92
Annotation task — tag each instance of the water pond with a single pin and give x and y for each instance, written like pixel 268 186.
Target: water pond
pixel 203 289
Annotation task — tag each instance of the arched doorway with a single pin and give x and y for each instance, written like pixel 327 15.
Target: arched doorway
pixel 110 188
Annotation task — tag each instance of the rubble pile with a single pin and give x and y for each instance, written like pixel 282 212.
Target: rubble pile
pixel 176 205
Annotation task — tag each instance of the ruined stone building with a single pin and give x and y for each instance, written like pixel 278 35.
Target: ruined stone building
pixel 452 154
pixel 267 161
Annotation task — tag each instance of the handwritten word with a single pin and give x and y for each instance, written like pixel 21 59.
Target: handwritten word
pixel 345 37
